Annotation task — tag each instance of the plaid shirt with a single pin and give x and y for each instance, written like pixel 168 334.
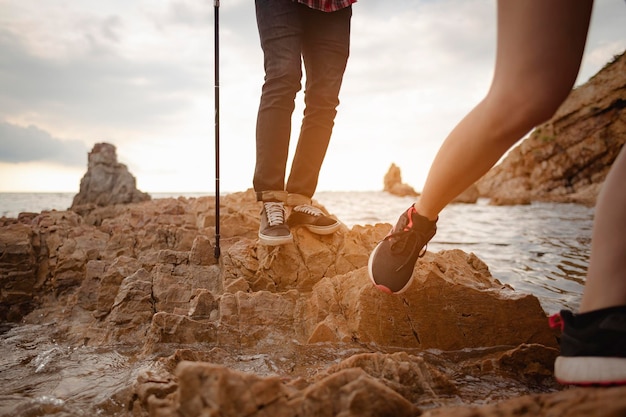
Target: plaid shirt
pixel 327 5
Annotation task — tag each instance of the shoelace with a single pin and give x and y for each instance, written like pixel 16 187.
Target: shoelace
pixel 310 210
pixel 275 213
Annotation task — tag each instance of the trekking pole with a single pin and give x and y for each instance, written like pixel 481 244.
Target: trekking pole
pixel 216 8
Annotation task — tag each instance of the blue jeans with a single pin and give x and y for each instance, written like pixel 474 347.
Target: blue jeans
pixel 292 33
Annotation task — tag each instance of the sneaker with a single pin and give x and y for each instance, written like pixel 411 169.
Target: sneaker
pixel 313 219
pixel 273 230
pixel 392 261
pixel 593 347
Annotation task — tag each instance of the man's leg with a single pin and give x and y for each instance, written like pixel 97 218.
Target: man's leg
pixel 280 32
pixel 325 49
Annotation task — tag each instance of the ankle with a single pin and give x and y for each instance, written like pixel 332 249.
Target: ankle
pixel 424 213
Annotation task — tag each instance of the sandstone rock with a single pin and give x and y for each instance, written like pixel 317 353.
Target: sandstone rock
pixel 206 389
pixel 18 271
pixel 605 402
pixel 452 296
pixel 394 185
pixel 106 182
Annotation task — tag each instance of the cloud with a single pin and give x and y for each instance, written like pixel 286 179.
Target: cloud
pixel 31 144
pixel 140 75
pixel 101 72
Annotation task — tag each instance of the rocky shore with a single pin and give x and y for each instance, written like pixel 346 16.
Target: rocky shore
pixel 296 330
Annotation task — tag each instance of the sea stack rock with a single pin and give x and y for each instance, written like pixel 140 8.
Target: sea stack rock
pixel 394 185
pixel 107 182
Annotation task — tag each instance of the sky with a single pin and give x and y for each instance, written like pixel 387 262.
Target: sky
pixel 140 75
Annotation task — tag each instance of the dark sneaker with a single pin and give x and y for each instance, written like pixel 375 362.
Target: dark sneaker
pixel 392 261
pixel 593 347
pixel 273 230
pixel 313 219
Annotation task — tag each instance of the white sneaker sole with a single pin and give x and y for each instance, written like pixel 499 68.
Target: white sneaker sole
pixel 323 230
pixel 590 370
pixel 275 240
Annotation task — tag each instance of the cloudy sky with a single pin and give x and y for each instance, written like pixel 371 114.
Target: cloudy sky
pixel 140 75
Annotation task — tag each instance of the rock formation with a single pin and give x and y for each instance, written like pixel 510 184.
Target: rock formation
pixel 567 158
pixel 106 181
pixel 393 183
pixel 295 330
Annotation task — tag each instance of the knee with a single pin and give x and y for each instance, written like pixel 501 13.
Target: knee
pixel 283 76
pixel 541 108
pixel 528 108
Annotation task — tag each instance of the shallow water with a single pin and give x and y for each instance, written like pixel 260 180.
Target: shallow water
pixel 40 376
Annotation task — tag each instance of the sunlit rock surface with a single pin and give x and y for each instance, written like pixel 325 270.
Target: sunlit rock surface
pixel 125 311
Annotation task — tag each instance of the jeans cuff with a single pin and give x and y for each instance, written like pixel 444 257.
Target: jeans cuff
pixel 271 195
pixel 294 199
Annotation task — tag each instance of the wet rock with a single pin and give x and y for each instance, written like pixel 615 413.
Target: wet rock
pixel 580 402
pixel 206 389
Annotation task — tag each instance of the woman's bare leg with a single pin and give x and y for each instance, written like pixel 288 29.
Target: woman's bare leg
pixel 539 50
pixel 606 277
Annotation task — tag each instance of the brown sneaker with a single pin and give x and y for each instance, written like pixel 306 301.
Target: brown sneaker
pixel 273 230
pixel 313 219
